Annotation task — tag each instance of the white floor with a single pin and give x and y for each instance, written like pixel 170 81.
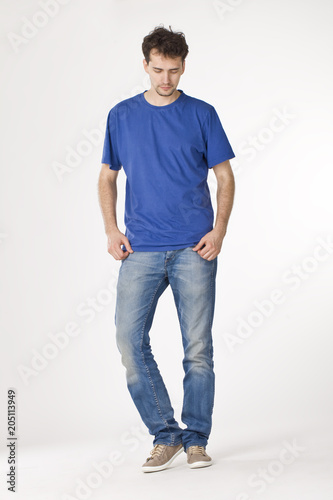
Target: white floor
pixel 245 469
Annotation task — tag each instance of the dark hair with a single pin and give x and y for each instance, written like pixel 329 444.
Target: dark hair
pixel 167 42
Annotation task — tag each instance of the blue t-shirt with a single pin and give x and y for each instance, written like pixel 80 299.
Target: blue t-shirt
pixel 166 152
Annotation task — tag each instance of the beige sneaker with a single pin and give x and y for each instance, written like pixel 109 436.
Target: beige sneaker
pixel 197 457
pixel 161 457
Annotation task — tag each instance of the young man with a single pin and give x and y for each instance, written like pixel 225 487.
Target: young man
pixel 166 141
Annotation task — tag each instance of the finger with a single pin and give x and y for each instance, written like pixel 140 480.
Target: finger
pixel 124 256
pixel 117 253
pixel 123 253
pixel 212 256
pixel 209 256
pixel 198 245
pixel 128 246
pixel 206 252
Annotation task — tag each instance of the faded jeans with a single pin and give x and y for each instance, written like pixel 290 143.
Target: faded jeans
pixel 143 277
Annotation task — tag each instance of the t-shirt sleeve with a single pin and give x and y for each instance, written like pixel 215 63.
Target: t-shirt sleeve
pixel 110 150
pixel 218 148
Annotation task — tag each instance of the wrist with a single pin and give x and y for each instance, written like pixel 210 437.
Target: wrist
pixel 220 228
pixel 110 231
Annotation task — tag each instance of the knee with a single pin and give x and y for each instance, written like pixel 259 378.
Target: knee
pixel 199 355
pixel 122 341
pixel 128 358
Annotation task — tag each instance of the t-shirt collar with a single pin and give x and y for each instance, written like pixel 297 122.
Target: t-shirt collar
pixel 166 106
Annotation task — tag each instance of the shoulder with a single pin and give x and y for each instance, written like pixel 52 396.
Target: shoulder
pixel 203 112
pixel 200 104
pixel 126 104
pixel 202 109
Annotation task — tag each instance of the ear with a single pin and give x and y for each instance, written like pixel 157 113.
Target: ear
pixel 183 67
pixel 145 65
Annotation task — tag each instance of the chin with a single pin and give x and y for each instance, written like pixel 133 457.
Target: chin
pixel 170 91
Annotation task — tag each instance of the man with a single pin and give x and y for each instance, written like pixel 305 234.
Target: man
pixel 166 141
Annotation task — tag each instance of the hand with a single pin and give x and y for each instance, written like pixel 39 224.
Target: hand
pixel 115 239
pixel 213 243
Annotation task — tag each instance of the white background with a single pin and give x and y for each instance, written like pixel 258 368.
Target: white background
pixel 253 61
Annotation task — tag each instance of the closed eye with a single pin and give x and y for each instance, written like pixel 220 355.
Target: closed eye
pixel 172 71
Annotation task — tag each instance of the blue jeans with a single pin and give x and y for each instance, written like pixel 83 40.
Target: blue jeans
pixel 143 277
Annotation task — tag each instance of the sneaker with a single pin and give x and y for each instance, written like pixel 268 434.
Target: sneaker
pixel 197 457
pixel 161 457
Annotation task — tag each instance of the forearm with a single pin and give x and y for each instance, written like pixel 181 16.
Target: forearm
pixel 108 201
pixel 224 198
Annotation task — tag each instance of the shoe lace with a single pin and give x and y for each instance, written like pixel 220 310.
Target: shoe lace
pixel 156 451
pixel 197 449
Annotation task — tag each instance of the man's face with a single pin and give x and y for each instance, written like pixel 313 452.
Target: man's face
pixel 164 72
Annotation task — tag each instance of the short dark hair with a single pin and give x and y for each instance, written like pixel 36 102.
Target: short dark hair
pixel 166 42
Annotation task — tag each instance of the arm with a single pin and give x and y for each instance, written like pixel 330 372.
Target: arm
pixel 225 197
pixel 107 192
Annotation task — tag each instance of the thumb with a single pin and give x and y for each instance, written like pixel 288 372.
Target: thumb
pixel 199 245
pixel 127 245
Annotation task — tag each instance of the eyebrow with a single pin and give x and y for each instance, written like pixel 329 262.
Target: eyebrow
pixel 171 69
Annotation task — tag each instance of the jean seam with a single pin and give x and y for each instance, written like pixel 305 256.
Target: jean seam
pixel 213 273
pixel 195 444
pixel 145 365
pixel 171 444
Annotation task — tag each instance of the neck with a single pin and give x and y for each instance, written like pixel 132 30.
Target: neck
pixel 159 100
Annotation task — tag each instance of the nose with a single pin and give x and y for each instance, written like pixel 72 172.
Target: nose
pixel 166 79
